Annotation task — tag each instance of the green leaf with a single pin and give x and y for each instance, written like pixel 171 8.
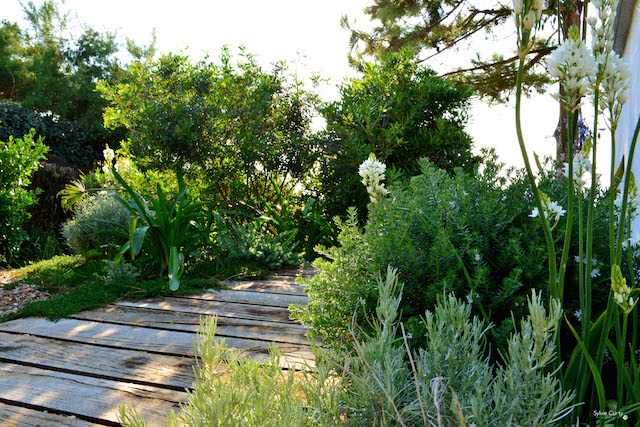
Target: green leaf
pixel 592 366
pixel 138 239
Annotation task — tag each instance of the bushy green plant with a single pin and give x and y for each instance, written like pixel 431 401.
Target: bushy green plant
pixel 225 123
pixel 250 244
pixel 91 216
pixel 399 110
pixel 18 159
pixel 231 390
pixel 117 272
pixel 467 233
pixel 450 381
pixel 168 230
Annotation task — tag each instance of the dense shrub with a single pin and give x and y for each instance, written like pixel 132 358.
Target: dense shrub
pixel 469 233
pixel 224 124
pixel 18 159
pixel 82 232
pixel 250 244
pixel 399 111
pixel 65 138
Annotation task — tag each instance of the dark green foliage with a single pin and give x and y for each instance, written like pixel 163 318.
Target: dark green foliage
pixel 18 159
pixel 66 139
pixel 229 126
pixel 251 245
pixel 470 234
pixel 401 112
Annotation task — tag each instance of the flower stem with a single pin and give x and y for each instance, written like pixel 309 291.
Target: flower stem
pixel 551 251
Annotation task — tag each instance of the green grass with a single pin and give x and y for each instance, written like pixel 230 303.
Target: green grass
pixel 71 281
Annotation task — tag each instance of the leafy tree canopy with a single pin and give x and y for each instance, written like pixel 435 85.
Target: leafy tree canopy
pixel 223 123
pixel 399 110
pixel 48 68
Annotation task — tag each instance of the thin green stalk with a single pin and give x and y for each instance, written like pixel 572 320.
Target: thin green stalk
pixel 551 251
pixel 612 196
pixel 570 214
pixel 586 310
pixel 625 196
pixel 621 338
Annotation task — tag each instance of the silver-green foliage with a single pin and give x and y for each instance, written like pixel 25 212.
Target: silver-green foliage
pixel 450 381
pixel 231 390
pixel 90 218
pixel 113 272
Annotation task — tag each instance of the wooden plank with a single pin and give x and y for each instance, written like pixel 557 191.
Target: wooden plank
pixel 14 416
pixel 217 308
pixel 296 272
pixel 84 396
pixel 270 286
pixel 255 298
pixel 190 322
pixel 147 339
pixel 117 364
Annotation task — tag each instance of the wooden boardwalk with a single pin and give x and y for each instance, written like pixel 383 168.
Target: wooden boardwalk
pixel 77 371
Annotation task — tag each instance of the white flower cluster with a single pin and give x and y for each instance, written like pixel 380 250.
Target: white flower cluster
pixel 528 11
pixel 621 292
pixel 615 85
pixel 109 155
pixel 551 209
pixel 573 65
pixel 581 168
pixel 614 75
pixel 602 35
pixel 372 173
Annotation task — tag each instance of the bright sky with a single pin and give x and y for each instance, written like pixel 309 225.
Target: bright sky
pixel 286 30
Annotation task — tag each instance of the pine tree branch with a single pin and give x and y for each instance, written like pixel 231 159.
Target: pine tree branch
pixel 539 54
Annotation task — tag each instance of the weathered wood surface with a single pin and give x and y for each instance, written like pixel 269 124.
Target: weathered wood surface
pixel 77 371
pixel 132 365
pixel 94 398
pixel 190 322
pixel 14 416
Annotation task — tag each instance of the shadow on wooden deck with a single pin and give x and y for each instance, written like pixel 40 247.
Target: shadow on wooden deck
pixel 77 371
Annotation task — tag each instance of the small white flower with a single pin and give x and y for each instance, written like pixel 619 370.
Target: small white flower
pixel 578 314
pixel 534 213
pixel 595 273
pixel 555 208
